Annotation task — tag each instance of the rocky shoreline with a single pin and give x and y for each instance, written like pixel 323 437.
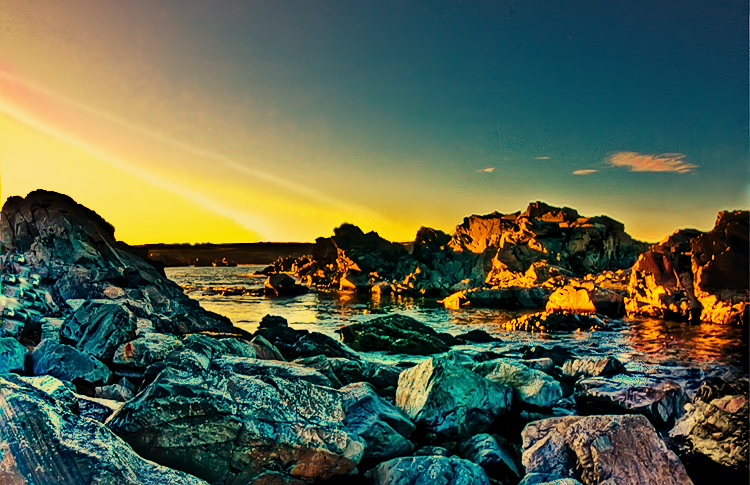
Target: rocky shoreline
pixel 110 374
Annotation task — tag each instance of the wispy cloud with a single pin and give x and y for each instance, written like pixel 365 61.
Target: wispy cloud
pixel 585 171
pixel 487 170
pixel 541 158
pixel 639 162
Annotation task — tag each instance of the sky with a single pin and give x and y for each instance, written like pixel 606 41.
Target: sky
pixel 185 121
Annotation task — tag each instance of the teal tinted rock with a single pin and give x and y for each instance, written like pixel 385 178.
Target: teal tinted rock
pixel 428 470
pixel 484 450
pixel 146 350
pixel 12 355
pixel 99 328
pixel 593 367
pixel 384 427
pixel 530 386
pixel 449 400
pixel 41 441
pixel 239 419
pixel 67 363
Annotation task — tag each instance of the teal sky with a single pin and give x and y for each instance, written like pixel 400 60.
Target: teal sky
pixel 394 114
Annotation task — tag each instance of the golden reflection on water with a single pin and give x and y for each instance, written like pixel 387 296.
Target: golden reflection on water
pixel 704 342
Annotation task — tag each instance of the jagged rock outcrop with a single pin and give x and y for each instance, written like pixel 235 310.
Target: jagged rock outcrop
pixel 600 449
pixel 43 441
pixel 12 355
pixel 73 253
pixel 695 276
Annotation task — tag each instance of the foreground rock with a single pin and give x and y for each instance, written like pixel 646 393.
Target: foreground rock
pixel 433 470
pixel 238 420
pixel 661 401
pixel 695 276
pixel 529 386
pixel 383 427
pixel 294 344
pixel 600 449
pixel 68 363
pixel 716 428
pixel 396 333
pixel 450 401
pixel 12 355
pixel 485 450
pixel 41 441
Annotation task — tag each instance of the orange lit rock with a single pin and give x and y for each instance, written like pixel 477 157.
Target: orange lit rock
pixel 586 297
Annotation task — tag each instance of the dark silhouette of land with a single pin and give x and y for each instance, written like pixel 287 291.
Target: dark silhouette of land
pixel 222 254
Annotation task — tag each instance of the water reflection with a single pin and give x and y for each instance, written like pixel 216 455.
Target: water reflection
pixel 647 340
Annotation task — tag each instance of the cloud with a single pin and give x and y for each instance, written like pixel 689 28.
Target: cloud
pixel 541 158
pixel 585 171
pixel 487 170
pixel 638 162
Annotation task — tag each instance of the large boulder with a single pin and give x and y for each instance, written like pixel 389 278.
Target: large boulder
pixel 384 428
pixel 530 386
pixel 395 333
pixel 42 441
pixel 283 285
pixel 485 450
pixel 428 470
pixel 592 367
pixel 147 349
pixel 586 297
pixel 240 420
pixel 74 253
pixel 600 449
pixel 450 401
pixel 511 298
pixel 68 363
pixel 99 328
pixel 294 344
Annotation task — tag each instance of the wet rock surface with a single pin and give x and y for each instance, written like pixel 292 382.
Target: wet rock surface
pixel 449 400
pixel 396 333
pixel 529 386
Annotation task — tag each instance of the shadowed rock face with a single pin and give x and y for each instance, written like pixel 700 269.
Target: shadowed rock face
pixel 396 333
pixel 74 252
pixel 696 276
pixel 437 470
pixel 42 441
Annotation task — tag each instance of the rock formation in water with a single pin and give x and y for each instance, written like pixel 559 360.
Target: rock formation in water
pixel 696 276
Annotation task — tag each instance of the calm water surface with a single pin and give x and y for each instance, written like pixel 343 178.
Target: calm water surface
pixel 650 342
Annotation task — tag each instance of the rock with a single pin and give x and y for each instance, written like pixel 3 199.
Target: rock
pixel 228 426
pixel 600 449
pixel 294 344
pixel 67 363
pixel 381 376
pixel 661 401
pixel 75 255
pixel 721 269
pixel 557 321
pixel 448 400
pixel 12 356
pixel 114 392
pixel 321 364
pixel 95 408
pixel 395 333
pixel 691 275
pixel 283 285
pixel 543 479
pixel 544 364
pixel 265 350
pixel 51 328
pixel 512 298
pixel 146 350
pixel 479 336
pixel 383 427
pixel 592 367
pixel 267 369
pixel 558 354
pixel 62 392
pixel 99 328
pixel 529 386
pixel 485 451
pixel 432 451
pixel 433 470
pixel 43 442
pixel 586 297
pixel 717 429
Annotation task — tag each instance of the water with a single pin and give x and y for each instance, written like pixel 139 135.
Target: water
pixel 655 344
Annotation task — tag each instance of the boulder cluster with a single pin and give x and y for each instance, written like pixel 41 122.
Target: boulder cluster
pixel 110 374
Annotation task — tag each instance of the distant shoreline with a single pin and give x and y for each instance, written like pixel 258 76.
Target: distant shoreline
pixel 232 254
